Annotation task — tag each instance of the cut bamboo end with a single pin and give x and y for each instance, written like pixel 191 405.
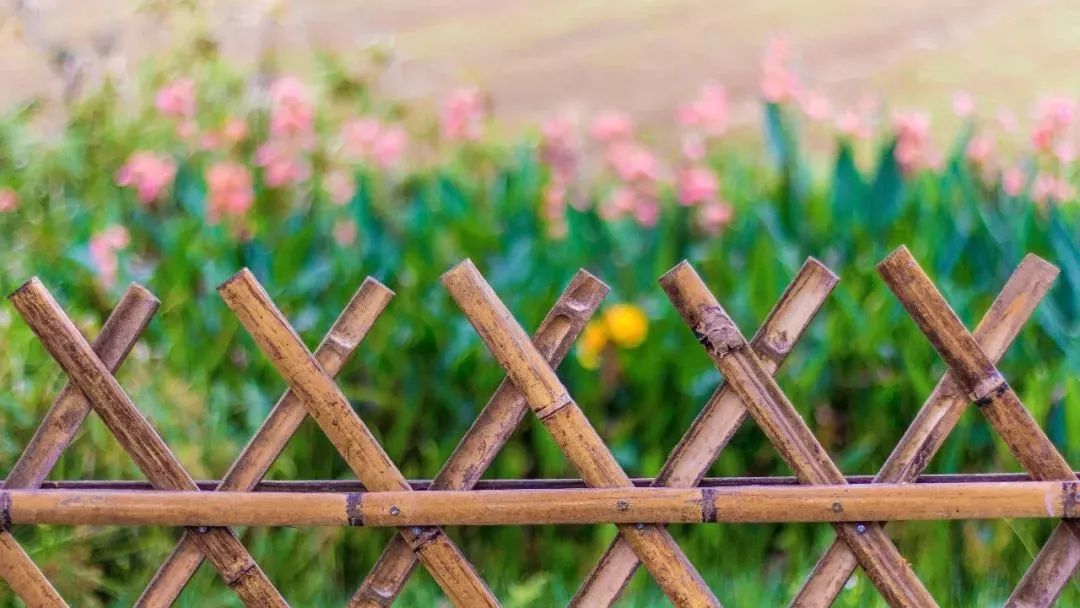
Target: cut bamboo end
pixel 816 266
pixel 141 293
pixel 29 285
pixel 1043 267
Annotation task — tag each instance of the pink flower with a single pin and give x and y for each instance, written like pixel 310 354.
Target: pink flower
pixel 963 104
pixel 815 106
pixel 282 166
pixel 693 147
pixel 622 201
pixel 390 146
pixel 340 186
pixel 230 192
pixel 1054 116
pixel 462 116
pixel 709 112
pixel 697 185
pixel 177 99
pixel 611 126
pixel 559 146
pixel 234 131
pixel 9 200
pixel 853 125
pixel 103 248
pixel 292 114
pixel 1050 189
pixel 1013 181
pixel 633 162
pixel 913 149
pixel 1065 152
pixel 345 232
pixel 148 173
pixel 715 215
pixel 369 140
pixel 187 130
pixel 980 150
pixel 779 84
pixel 554 200
pixel 647 211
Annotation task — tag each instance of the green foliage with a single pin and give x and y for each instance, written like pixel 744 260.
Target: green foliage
pixel 858 377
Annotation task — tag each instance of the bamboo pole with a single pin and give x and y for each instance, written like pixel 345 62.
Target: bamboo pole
pixel 345 335
pixel 581 506
pixel 721 416
pixel 299 486
pixel 55 434
pixel 937 417
pixel 138 438
pixel 573 433
pixel 487 435
pixel 978 376
pixel 353 440
pixel 778 418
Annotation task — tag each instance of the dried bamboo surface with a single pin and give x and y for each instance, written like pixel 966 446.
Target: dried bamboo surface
pixel 353 440
pixel 571 430
pixel 56 432
pixel 492 428
pixel 346 334
pixel 744 504
pixel 999 327
pixel 887 569
pixel 857 506
pixel 135 434
pixel 722 415
pixel 977 375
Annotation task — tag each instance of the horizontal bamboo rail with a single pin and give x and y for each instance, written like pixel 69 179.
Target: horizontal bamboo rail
pixel 857 506
pixel 742 504
pixel 352 485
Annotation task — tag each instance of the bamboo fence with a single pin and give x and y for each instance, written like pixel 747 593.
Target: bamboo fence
pixel 856 506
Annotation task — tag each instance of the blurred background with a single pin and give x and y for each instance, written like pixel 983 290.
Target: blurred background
pixel 172 143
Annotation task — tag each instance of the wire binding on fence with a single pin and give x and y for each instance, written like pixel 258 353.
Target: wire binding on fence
pixel 856 507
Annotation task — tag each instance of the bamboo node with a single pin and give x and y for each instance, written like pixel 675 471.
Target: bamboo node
pixel 987 389
pixel 1069 499
pixel 353 512
pixel 553 408
pixel 5 511
pixel 241 574
pixel 708 505
pixel 717 332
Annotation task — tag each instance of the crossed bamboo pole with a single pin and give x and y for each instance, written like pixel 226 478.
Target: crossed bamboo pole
pixel 570 429
pixel 977 375
pixel 1008 313
pixel 717 422
pixel 56 432
pixel 336 348
pixel 133 431
pixel 330 409
pixel 786 430
pixel 489 433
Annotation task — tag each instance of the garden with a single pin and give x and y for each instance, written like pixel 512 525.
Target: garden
pixel 198 168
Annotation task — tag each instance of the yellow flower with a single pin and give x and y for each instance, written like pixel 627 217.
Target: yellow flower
pixel 626 324
pixel 593 340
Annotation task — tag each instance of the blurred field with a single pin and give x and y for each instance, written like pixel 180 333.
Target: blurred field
pixel 641 55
